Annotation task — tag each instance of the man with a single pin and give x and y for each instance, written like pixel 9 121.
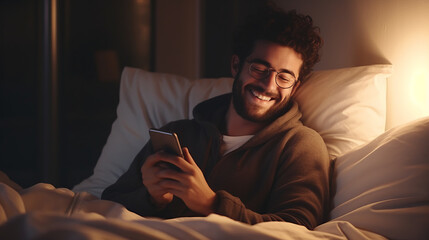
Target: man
pixel 247 155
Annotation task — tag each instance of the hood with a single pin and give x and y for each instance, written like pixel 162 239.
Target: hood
pixel 213 111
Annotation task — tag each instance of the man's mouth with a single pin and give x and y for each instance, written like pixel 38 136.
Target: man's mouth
pixel 260 95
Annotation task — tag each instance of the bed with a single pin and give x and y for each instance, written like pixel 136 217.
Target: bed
pixel 380 178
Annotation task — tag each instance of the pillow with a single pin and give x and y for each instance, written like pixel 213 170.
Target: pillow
pixel 153 99
pixel 383 186
pixel 346 106
pixel 146 100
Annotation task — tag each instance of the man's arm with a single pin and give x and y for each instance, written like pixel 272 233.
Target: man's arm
pixel 300 193
pixel 139 189
pixel 129 189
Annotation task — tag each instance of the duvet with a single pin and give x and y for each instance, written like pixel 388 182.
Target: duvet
pixel 45 212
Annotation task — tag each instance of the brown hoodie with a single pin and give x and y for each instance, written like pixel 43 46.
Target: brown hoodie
pixel 280 174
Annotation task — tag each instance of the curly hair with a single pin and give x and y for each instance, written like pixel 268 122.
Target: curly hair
pixel 285 28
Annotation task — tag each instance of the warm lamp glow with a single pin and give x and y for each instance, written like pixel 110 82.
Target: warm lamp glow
pixel 419 91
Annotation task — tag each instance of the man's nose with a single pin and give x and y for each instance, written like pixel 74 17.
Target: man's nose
pixel 270 81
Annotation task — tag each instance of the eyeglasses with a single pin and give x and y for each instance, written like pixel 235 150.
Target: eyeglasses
pixel 260 72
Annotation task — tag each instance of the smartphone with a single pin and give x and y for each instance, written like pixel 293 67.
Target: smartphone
pixel 166 141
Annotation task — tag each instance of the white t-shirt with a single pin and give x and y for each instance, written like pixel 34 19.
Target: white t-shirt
pixel 230 143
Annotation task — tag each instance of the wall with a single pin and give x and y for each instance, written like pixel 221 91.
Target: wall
pixel 360 32
pixel 178 37
pixel 356 32
pixel 19 75
pixel 193 37
pixel 95 40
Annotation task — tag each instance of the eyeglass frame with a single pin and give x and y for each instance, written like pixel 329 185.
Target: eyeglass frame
pixel 271 69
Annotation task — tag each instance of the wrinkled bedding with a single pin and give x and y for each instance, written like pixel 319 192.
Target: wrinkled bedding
pixel 45 212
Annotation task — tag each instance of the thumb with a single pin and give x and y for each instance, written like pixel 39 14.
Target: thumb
pixel 187 155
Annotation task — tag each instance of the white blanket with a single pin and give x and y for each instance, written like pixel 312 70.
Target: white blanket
pixel 45 212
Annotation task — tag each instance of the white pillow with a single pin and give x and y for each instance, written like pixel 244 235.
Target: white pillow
pixel 383 187
pixel 346 106
pixel 153 99
pixel 146 100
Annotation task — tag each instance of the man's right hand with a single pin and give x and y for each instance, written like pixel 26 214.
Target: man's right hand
pixel 159 196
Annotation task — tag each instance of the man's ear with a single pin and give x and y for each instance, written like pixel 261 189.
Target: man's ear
pixel 235 65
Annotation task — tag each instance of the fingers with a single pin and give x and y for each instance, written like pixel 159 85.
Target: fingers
pixel 180 189
pixel 178 162
pixel 187 156
pixel 185 164
pixel 188 184
pixel 174 175
pixel 171 185
pixel 153 159
pixel 160 196
pixel 175 181
pixel 191 188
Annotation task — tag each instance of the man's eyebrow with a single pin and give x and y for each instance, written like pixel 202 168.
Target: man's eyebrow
pixel 260 61
pixel 263 62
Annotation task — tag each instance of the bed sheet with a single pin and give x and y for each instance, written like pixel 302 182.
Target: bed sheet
pixel 45 212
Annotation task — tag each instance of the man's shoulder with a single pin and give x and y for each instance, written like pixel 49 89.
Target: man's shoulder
pixel 304 135
pixel 304 129
pixel 188 126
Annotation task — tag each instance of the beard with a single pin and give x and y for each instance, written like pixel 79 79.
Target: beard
pixel 248 112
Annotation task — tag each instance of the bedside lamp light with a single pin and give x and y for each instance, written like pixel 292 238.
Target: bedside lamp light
pixel 419 92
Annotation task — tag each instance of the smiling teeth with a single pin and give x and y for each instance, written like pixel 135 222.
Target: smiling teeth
pixel 260 96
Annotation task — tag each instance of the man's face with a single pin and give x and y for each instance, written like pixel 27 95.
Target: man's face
pixel 262 100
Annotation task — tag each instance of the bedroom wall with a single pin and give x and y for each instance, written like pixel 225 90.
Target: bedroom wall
pixel 95 39
pixel 178 37
pixel 360 32
pixel 356 32
pixel 193 37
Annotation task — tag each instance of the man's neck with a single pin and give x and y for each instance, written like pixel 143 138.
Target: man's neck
pixel 238 126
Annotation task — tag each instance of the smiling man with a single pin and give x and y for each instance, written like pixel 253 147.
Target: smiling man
pixel 262 93
pixel 247 155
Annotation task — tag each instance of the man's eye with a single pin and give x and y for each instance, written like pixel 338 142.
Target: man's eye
pixel 259 68
pixel 285 77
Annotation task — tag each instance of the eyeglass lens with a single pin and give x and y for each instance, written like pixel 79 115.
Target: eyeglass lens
pixel 260 72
